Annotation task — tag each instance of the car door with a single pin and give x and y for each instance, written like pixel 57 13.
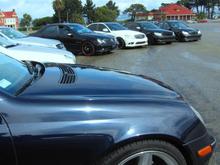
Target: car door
pixel 49 32
pixel 70 39
pixel 7 151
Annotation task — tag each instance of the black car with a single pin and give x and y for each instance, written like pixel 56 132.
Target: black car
pixel 182 30
pixel 58 114
pixel 78 39
pixel 154 33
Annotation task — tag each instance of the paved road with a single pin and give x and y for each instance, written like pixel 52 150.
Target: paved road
pixel 193 69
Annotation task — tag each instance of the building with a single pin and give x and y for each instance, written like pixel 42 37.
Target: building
pixel 176 12
pixel 9 18
pixel 168 12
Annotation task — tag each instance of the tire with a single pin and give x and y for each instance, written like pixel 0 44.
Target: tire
pixel 127 155
pixel 88 49
pixel 121 43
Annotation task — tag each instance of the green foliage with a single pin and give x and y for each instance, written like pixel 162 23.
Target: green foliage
pixel 43 21
pixel 201 16
pixel 104 14
pixel 71 11
pixel 134 9
pixel 26 20
pixel 112 6
pixel 89 10
pixel 58 6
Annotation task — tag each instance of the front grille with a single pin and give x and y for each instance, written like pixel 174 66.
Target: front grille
pixel 68 75
pixel 193 33
pixel 167 33
pixel 140 42
pixel 139 36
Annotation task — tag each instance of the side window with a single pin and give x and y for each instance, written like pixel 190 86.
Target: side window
pixel 63 30
pixel 102 28
pixel 50 31
pixel 93 27
pixel 166 26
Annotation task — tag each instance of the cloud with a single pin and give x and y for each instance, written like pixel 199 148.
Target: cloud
pixel 41 8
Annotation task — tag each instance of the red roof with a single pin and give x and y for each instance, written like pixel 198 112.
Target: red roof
pixel 9 14
pixel 176 9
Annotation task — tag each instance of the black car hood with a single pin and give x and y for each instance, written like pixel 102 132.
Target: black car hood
pixel 94 35
pixel 91 82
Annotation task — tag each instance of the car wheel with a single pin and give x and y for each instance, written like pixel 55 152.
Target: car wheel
pixel 148 152
pixel 121 43
pixel 88 49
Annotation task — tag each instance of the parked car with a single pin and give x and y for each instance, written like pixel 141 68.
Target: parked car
pixel 56 114
pixel 35 53
pixel 182 30
pixel 78 39
pixel 153 32
pixel 21 38
pixel 125 37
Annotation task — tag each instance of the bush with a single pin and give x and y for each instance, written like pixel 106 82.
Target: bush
pixel 201 16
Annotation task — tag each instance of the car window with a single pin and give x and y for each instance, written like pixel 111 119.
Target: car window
pixel 63 30
pixel 165 26
pixel 149 25
pixel 77 28
pixel 101 27
pixel 132 26
pixel 93 27
pixel 11 33
pixel 14 74
pixel 115 26
pixel 50 31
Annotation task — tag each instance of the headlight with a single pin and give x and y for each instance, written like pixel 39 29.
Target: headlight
pixel 199 32
pixel 100 41
pixel 158 34
pixel 185 33
pixel 198 115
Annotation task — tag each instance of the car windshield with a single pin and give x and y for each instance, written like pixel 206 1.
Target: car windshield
pixel 179 25
pixel 149 25
pixel 11 33
pixel 5 42
pixel 13 74
pixel 80 29
pixel 115 26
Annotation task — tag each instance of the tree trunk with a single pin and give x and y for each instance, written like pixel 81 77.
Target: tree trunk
pixel 59 16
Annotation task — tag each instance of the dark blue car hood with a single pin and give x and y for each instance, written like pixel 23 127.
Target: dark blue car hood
pixel 96 82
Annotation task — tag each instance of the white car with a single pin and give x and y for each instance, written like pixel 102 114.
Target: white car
pixel 35 53
pixel 21 38
pixel 125 37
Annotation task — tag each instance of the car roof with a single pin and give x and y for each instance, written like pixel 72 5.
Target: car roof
pixel 67 24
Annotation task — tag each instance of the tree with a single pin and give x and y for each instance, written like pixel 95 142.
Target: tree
pixel 71 11
pixel 58 6
pixel 112 6
pixel 134 9
pixel 42 21
pixel 89 10
pixel 26 21
pixel 104 14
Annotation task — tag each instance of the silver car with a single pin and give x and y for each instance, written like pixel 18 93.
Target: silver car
pixel 35 53
pixel 18 37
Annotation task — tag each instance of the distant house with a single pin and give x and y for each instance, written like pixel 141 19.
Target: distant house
pixel 168 12
pixel 9 19
pixel 176 12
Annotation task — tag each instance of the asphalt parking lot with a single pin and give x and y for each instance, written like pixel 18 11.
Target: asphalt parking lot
pixel 192 68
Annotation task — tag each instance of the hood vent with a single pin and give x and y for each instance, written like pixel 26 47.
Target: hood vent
pixel 68 76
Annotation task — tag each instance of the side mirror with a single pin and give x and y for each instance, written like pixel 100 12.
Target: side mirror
pixel 70 34
pixel 105 30
pixel 138 28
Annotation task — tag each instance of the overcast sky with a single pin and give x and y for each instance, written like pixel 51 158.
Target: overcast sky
pixel 41 8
